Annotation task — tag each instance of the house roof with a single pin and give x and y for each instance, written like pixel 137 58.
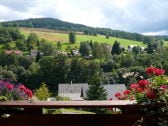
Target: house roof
pixel 79 90
pixel 112 89
pixel 17 52
pixel 73 91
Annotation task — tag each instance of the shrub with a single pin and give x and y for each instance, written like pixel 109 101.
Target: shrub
pixel 153 91
pixel 10 91
pixel 42 93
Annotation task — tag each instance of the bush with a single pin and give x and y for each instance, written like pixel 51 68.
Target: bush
pixel 153 91
pixel 10 91
pixel 42 93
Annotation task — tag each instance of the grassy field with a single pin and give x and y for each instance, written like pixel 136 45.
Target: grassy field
pixel 54 36
pixel 166 43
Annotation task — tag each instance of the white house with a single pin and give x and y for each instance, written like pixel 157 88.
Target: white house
pixel 33 53
pixel 130 47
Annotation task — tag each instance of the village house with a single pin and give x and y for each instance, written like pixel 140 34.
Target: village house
pixel 17 52
pixel 75 52
pixel 33 53
pixel 78 91
pixel 130 47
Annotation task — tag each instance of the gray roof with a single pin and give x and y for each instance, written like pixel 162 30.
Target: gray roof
pixel 74 91
pixel 112 89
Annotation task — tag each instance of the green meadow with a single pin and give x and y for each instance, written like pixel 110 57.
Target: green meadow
pixel 55 36
pixel 166 43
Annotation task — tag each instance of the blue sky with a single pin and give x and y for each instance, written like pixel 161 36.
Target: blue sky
pixel 142 16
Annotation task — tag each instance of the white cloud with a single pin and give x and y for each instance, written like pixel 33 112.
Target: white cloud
pixel 130 15
pixel 164 32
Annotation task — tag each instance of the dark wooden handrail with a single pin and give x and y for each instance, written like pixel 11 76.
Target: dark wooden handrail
pixel 69 104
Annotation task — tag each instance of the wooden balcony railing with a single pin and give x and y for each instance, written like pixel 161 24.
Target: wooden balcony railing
pixel 31 113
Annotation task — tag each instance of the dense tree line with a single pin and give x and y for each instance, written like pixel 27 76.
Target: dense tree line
pixel 62 25
pixel 9 34
pixel 95 50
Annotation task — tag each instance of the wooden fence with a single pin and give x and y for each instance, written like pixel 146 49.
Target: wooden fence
pixel 29 113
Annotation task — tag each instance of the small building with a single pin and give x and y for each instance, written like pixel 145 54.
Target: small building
pixel 130 47
pixel 75 52
pixel 63 53
pixel 78 91
pixel 33 53
pixel 17 52
pixel 72 91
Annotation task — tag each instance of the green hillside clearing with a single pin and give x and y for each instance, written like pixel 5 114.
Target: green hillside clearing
pixel 55 36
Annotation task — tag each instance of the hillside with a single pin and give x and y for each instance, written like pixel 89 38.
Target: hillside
pixel 57 24
pixel 55 35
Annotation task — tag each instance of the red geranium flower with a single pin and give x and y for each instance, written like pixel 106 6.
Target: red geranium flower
pixel 163 87
pixel 151 94
pixel 118 94
pixel 126 92
pixel 140 89
pixel 29 93
pixel 14 92
pixel 9 86
pixel 22 87
pixel 159 72
pixel 150 71
pixel 110 99
pixel 143 83
pixel 154 71
pixel 134 86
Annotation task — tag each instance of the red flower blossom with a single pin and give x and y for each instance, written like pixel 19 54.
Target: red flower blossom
pixel 163 87
pixel 9 86
pixel 22 88
pixel 126 92
pixel 29 93
pixel 143 83
pixel 134 86
pixel 139 89
pixel 154 71
pixel 151 94
pixel 159 72
pixel 14 92
pixel 150 71
pixel 118 95
pixel 110 99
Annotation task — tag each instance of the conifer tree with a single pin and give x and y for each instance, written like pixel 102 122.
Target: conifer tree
pixel 72 37
pixel 116 48
pixel 96 90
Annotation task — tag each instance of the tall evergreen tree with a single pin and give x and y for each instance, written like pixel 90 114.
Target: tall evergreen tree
pixel 96 90
pixel 72 37
pixel 116 48
pixel 97 50
pixel 150 48
pixel 84 49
